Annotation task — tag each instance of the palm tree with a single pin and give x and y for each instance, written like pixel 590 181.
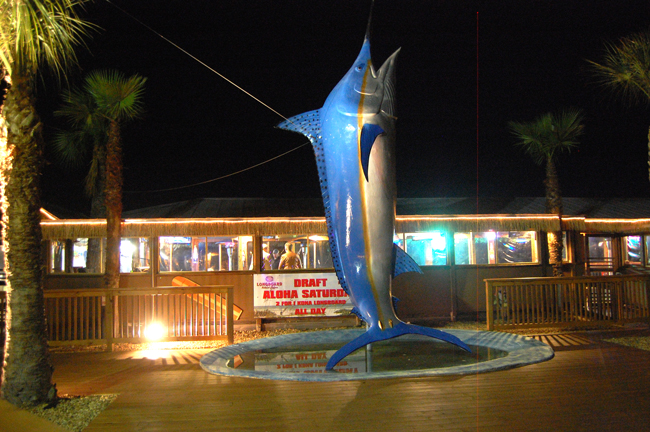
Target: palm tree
pixel 117 99
pixel 544 139
pixel 87 133
pixel 94 114
pixel 626 69
pixel 33 33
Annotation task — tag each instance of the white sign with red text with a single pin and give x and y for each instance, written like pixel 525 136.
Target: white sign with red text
pixel 299 295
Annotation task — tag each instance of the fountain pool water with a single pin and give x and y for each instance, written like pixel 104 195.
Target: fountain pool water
pixel 303 356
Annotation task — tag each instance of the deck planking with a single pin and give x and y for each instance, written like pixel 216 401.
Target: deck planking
pixel 590 385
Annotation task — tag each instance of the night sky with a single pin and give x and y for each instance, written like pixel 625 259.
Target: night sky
pixel 453 138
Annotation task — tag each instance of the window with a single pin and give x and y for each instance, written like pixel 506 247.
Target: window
pixel 601 256
pixel 517 247
pixel 508 247
pixel 426 249
pixel 205 253
pixel 134 255
pixel 305 252
pixel 88 255
pixel 633 250
pixel 57 256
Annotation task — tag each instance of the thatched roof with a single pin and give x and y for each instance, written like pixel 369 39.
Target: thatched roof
pixel 246 216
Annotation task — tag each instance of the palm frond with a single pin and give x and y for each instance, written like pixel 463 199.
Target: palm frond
pixel 87 127
pixel 72 147
pixel 118 97
pixel 106 96
pixel 549 135
pixel 91 183
pixel 41 32
pixel 626 67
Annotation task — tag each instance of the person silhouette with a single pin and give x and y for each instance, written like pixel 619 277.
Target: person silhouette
pixel 289 260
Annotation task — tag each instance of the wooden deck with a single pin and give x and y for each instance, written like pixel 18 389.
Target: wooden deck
pixel 589 386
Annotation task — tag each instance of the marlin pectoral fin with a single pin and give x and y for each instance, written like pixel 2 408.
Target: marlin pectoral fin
pixel 369 133
pixel 376 335
pixel 403 262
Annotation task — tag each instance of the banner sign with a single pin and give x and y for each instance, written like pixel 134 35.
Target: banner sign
pixel 299 295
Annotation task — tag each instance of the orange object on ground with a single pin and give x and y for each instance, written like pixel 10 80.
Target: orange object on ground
pixel 183 281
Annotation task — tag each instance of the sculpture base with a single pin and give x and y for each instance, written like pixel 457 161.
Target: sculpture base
pixel 303 356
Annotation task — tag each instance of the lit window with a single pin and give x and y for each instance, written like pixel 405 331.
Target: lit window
pixel 134 255
pixel 513 247
pixel 57 256
pixel 601 255
pixel 87 255
pixel 428 248
pixel 293 252
pixel 517 247
pixel 633 250
pixel 195 254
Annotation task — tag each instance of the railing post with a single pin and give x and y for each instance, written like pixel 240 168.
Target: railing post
pixel 621 292
pixel 489 307
pixel 109 325
pixel 229 324
pixel 646 283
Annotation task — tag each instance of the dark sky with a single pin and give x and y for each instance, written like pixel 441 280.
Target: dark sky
pixel 452 132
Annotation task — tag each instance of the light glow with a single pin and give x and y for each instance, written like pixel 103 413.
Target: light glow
pixel 154 331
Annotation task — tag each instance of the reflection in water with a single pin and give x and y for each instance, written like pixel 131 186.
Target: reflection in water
pixel 394 355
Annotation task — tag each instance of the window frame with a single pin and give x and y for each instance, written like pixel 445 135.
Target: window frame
pixel 311 247
pixel 196 257
pixel 402 242
pixel 492 250
pixel 67 255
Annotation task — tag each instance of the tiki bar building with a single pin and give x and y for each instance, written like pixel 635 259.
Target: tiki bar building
pixel 458 242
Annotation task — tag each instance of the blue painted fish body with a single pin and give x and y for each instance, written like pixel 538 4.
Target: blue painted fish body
pixel 353 135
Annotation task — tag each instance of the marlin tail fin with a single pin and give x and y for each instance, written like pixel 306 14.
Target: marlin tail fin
pixel 376 335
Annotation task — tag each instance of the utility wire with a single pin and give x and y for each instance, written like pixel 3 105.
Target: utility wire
pixel 222 177
pixel 195 58
pixel 225 79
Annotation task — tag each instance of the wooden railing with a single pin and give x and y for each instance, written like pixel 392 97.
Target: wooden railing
pixel 571 301
pixel 98 316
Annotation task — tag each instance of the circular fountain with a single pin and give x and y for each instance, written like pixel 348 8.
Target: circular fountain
pixel 303 356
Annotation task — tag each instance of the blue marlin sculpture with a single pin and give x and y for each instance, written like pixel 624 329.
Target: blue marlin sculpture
pixel 353 136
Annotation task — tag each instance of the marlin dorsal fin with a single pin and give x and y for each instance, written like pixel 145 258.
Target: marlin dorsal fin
pixel 307 123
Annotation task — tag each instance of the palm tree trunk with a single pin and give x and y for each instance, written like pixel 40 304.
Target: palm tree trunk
pixel 97 210
pixel 648 153
pixel 27 372
pixel 554 206
pixel 113 205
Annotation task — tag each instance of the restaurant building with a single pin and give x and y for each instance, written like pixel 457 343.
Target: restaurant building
pixel 458 242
